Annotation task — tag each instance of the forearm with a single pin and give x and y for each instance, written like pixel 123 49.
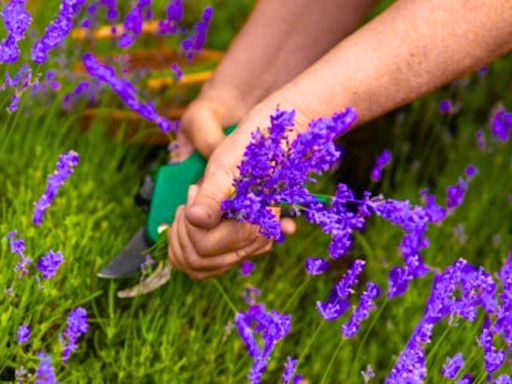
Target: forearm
pixel 280 40
pixel 409 50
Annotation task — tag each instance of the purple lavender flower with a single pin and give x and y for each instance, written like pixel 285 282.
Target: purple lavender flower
pixel 316 266
pixel 57 31
pixel 76 326
pixel 17 20
pixel 289 376
pixel 493 358
pixel 503 379
pixel 452 366
pixel 49 263
pixel 445 106
pixel 174 16
pixel 127 93
pixel 133 23
pixel 21 375
pixel 111 7
pixel 23 334
pixel 381 161
pixel 178 73
pixel 17 246
pixel 362 312
pixel 368 374
pixel 249 294
pixel 246 268
pixel 480 139
pixel 466 379
pixel 272 326
pixel 470 171
pixel 501 123
pixel 64 169
pixel 45 374
pixel 455 194
pixel 194 43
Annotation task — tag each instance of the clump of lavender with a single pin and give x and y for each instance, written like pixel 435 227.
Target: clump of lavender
pixel 452 366
pixel 45 374
pixel 17 246
pixel 362 311
pixel 272 326
pixel 501 123
pixel 57 31
pixel 49 263
pixel 76 326
pixel 193 44
pixel 64 169
pixel 381 161
pixel 126 91
pixel 23 334
pixel 174 16
pixel 289 376
pixel 17 20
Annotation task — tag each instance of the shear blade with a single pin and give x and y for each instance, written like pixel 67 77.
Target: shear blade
pixel 129 260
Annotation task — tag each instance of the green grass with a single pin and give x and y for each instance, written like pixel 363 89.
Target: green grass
pixel 177 334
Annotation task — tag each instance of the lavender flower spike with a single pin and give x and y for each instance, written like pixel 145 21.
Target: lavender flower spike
pixel 127 93
pixel 49 263
pixel 452 366
pixel 23 334
pixel 501 123
pixel 362 312
pixel 316 266
pixel 76 326
pixel 193 44
pixel 17 20
pixel 17 246
pixel 45 374
pixel 290 367
pixel 64 168
pixel 57 31
pixel 382 160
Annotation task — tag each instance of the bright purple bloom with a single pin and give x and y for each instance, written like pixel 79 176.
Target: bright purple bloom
pixel 246 268
pixel 493 358
pixel 127 93
pixel 193 44
pixel 290 367
pixel 17 246
pixel 503 379
pixel 272 326
pixel 174 16
pixel 57 31
pixel 381 161
pixel 501 123
pixel 45 374
pixel 178 73
pixel 445 106
pixel 23 334
pixel 455 194
pixel 466 379
pixel 76 326
pixel 362 311
pixel 316 266
pixel 64 169
pixel 49 263
pixel 470 171
pixel 452 366
pixel 17 20
pixel 133 23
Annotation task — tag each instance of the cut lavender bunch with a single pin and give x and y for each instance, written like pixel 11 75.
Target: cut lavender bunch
pixel 126 91
pixel 76 326
pixel 381 162
pixel 57 31
pixel 17 20
pixel 64 169
pixel 272 326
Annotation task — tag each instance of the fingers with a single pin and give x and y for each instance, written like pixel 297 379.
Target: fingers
pixel 288 226
pixel 184 255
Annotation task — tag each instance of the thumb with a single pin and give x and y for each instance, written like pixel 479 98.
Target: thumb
pixel 202 127
pixel 204 211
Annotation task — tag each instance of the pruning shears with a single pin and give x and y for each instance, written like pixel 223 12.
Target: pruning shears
pixel 162 195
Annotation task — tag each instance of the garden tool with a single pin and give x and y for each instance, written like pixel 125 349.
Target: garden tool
pixel 162 197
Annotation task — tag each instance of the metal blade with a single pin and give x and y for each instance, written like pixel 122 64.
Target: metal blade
pixel 158 278
pixel 129 260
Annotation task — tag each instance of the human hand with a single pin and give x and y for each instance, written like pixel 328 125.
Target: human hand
pixel 201 242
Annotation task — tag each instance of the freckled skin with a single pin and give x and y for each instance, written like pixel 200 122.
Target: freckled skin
pixel 296 54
